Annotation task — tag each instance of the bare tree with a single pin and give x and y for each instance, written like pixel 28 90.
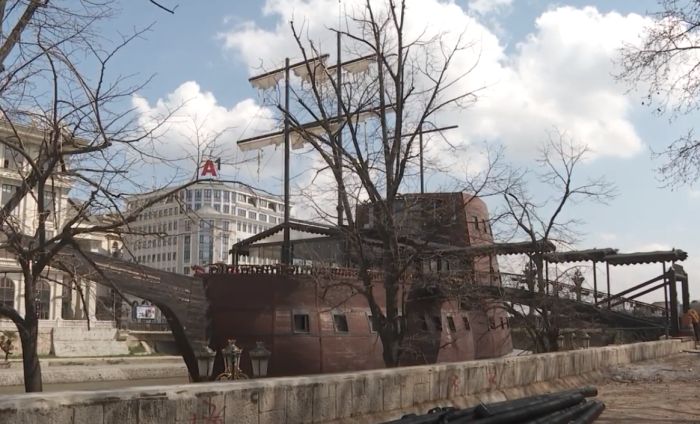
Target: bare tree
pixel 547 221
pixel 666 65
pixel 366 138
pixel 64 132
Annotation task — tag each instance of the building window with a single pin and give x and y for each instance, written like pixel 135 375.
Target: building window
pixel 7 191
pixel 227 196
pixel 340 323
pixel 262 217
pixel 206 247
pixel 7 292
pixel 227 209
pixel 301 323
pixel 49 205
pixel 187 248
pixel 241 197
pixel 207 195
pixel 186 270
pixel 451 324
pixel 252 215
pixel 217 195
pixel 242 212
pixel 12 158
pixel 43 299
pixel 465 320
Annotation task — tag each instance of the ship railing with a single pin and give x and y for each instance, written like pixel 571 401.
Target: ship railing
pixel 503 279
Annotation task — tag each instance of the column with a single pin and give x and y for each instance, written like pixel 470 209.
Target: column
pixel 673 295
pixel 19 280
pixel 91 299
pixel 56 302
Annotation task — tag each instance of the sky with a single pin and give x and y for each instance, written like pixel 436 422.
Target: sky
pixel 542 65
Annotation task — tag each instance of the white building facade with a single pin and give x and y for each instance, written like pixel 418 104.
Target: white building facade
pixel 198 225
pixel 58 305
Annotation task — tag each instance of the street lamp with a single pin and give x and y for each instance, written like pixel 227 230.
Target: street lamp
pixel 232 362
pixel 586 340
pixel 259 359
pixel 205 363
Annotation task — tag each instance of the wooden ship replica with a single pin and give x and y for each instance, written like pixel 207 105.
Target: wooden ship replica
pixel 312 318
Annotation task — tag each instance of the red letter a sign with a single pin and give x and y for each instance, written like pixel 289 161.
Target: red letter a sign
pixel 209 169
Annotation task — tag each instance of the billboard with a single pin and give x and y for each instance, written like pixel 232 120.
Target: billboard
pixel 145 312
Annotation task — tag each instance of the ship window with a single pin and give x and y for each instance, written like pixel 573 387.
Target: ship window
pixel 466 322
pixel 437 321
pixel 301 323
pixel 451 324
pixel 372 328
pixel 340 322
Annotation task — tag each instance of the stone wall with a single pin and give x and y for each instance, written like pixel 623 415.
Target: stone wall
pixel 72 342
pixel 369 396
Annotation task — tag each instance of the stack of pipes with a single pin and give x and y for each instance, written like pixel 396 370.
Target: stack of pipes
pixel 568 406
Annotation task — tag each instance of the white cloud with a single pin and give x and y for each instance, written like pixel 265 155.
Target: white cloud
pixel 484 7
pixel 607 237
pixel 559 76
pixel 197 121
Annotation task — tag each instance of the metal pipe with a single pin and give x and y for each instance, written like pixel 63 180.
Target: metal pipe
pixel 565 415
pixel 607 277
pixel 420 147
pixel 488 410
pixel 339 135
pixel 663 267
pixel 595 284
pixel 591 414
pixel 286 251
pixel 534 410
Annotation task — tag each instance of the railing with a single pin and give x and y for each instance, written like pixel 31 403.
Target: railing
pixel 279 269
pixel 147 326
pixel 569 291
pixel 509 280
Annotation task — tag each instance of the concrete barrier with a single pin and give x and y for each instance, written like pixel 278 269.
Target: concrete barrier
pixel 367 396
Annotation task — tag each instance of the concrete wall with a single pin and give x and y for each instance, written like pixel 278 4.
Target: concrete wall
pixel 369 396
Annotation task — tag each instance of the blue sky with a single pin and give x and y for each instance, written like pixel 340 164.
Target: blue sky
pixel 547 64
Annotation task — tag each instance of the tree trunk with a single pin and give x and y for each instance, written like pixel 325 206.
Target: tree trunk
pixel 30 357
pixel 390 348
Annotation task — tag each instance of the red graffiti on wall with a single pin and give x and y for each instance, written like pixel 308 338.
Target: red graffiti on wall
pixel 212 416
pixel 492 375
pixel 454 383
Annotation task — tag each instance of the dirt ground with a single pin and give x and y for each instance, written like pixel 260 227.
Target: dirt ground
pixel 659 391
